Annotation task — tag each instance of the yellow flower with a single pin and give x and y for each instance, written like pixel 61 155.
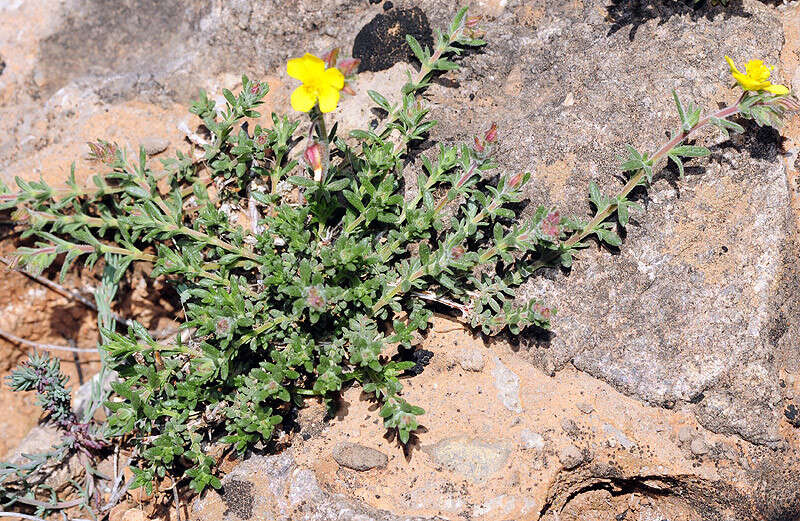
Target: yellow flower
pixel 756 77
pixel 318 84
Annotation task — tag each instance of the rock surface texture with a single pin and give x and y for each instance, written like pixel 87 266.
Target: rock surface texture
pixel 669 387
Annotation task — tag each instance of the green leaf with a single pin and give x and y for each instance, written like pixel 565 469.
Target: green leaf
pixel 690 151
pixel 379 100
pixel 302 181
pixel 416 48
pixel 679 162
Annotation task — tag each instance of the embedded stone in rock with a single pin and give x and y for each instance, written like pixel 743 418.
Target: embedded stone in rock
pixel 238 496
pixel 382 42
pixel 275 487
pixel 507 385
pixel 619 436
pixel 474 459
pixel 470 359
pixel 570 457
pixel 531 440
pixel 154 145
pixel 359 457
pixel 699 446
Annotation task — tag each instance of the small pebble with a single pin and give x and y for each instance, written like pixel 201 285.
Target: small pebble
pixel 154 145
pixel 699 446
pixel 471 359
pixel 585 408
pixel 358 457
pixel 531 440
pixel 569 426
pixel 686 434
pixel 570 457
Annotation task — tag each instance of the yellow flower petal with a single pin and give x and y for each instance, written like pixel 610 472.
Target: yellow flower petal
pixel 328 99
pixel 334 78
pixel 306 68
pixel 757 70
pixel 734 70
pixel 303 99
pixel 778 90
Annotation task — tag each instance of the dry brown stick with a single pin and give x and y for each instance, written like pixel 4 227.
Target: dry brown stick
pixel 46 347
pixel 61 290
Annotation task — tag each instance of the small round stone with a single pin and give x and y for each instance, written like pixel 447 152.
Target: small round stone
pixel 570 457
pixel 699 446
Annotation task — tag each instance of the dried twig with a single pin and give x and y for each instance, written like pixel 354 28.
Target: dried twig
pixel 20 516
pixel 177 501
pixel 44 347
pixel 61 290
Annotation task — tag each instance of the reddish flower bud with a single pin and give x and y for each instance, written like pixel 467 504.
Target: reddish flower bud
pixel 472 22
pixel 331 57
pixel 347 90
pixel 261 140
pixel 313 158
pixel 491 134
pixel 348 65
pixel 255 88
pixel 515 180
pixel 457 252
pixel 550 224
pixel 478 145
pixel 314 299
pixel 223 325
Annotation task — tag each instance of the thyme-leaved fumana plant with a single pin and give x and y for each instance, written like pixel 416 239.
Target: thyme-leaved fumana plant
pixel 336 264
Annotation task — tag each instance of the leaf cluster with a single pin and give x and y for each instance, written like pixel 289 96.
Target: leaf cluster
pixel 316 292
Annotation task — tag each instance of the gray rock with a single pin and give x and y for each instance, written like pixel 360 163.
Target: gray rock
pixel 359 457
pixel 507 384
pixel 585 408
pixel 695 297
pixel 471 359
pixel 154 145
pixel 531 440
pixel 472 458
pixel 274 487
pixel 570 457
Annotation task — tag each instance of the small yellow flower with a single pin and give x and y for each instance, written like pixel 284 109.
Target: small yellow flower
pixel 756 77
pixel 319 83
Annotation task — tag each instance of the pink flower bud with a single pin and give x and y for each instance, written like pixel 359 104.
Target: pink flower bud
pixel 550 224
pixel 331 57
pixel 348 65
pixel 478 146
pixel 313 158
pixel 255 88
pixel 314 299
pixel 515 179
pixel 261 140
pixel 491 134
pixel 472 22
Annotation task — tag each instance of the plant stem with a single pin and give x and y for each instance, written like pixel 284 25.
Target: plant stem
pixel 635 179
pixel 417 79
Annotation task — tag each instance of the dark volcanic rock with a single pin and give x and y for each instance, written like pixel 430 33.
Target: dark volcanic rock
pixel 382 42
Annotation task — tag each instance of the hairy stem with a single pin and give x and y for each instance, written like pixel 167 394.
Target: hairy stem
pixel 636 178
